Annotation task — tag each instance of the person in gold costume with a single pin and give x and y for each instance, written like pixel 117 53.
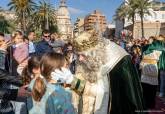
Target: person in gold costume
pixel 106 78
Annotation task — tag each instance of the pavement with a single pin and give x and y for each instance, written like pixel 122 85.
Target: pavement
pixel 160 106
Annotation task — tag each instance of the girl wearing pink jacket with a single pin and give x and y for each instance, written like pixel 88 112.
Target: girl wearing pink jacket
pixel 20 52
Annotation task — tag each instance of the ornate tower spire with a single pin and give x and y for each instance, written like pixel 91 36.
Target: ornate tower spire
pixel 62 3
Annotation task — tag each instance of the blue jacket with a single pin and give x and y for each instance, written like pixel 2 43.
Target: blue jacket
pixel 43 47
pixel 55 101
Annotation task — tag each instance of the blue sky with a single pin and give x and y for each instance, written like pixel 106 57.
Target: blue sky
pixel 80 8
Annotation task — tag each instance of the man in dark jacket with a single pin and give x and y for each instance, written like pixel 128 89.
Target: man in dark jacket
pixel 11 94
pixel 7 94
pixel 43 45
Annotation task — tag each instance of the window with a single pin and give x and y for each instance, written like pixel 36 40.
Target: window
pixel 163 16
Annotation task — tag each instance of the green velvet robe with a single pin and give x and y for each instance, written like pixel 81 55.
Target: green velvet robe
pixel 126 89
pixel 160 46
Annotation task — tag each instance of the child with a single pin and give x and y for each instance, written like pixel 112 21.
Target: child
pixel 63 74
pixel 20 52
pixel 49 97
pixel 32 70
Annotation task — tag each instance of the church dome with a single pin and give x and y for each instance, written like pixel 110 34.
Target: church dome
pixel 63 10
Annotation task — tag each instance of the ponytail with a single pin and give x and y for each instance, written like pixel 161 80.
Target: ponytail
pixel 27 73
pixel 26 76
pixel 39 89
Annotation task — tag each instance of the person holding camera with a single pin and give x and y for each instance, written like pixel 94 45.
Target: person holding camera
pixel 6 80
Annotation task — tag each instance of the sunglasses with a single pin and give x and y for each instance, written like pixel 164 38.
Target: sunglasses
pixel 46 36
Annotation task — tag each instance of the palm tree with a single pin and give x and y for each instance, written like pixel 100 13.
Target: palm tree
pixel 143 9
pixel 127 9
pixel 4 25
pixel 44 11
pixel 131 11
pixel 23 8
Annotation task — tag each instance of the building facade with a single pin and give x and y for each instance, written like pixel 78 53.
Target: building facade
pixel 110 31
pixel 150 29
pixel 155 16
pixel 119 27
pixel 95 20
pixel 152 22
pixel 9 15
pixel 78 26
pixel 64 21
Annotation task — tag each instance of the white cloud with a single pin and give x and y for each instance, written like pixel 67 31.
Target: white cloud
pixel 75 10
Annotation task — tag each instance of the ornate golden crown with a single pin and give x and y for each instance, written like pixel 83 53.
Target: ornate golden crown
pixel 86 40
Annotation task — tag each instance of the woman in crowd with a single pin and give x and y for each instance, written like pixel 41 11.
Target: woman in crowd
pixel 162 66
pixel 20 51
pixel 71 56
pixel 48 96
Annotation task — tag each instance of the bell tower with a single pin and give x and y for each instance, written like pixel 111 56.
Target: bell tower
pixel 64 20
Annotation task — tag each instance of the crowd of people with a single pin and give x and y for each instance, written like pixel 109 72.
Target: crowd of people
pixel 26 62
pixel 146 52
pixel 43 73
